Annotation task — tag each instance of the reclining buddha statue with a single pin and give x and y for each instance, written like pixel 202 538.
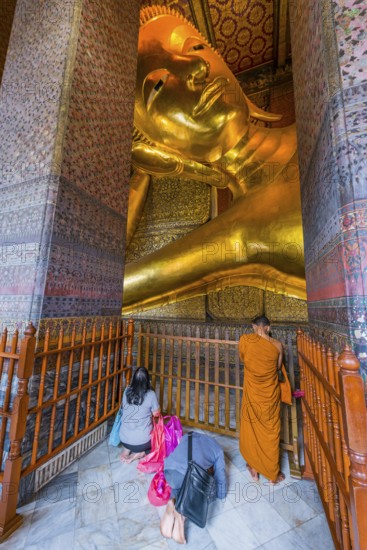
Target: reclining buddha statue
pixel 192 120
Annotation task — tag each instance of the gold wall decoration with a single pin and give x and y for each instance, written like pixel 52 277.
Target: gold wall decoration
pixel 284 308
pixel 172 209
pixel 239 303
pixel 192 309
pixel 243 303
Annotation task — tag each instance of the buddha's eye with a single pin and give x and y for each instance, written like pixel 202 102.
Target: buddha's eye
pixel 159 85
pixel 197 47
pixel 156 89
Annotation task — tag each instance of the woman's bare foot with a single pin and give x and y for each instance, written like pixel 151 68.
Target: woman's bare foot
pixel 134 456
pixel 168 520
pixel 178 533
pixel 253 472
pixel 279 479
pixel 124 455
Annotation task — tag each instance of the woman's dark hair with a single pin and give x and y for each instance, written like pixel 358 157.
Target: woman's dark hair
pixel 139 386
pixel 261 320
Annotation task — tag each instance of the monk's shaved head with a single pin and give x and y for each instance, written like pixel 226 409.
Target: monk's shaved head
pixel 261 320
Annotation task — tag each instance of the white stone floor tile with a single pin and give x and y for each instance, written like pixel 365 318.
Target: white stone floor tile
pixel 72 468
pixel 235 457
pixel 98 476
pixel 121 473
pixel 114 453
pixel 219 506
pixel 307 490
pixel 103 535
pixel 139 528
pixel 63 487
pixel 96 504
pixel 315 533
pixel 60 542
pixel 160 544
pixel 130 495
pixel 110 510
pixel 51 521
pixel 96 456
pixel 227 443
pixel 157 545
pixel 287 541
pixel 229 531
pixel 253 514
pixel 291 508
pixel 196 538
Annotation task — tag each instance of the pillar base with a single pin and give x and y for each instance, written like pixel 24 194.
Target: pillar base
pixel 12 526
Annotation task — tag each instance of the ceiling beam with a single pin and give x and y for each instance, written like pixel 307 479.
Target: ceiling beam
pixel 280 31
pixel 202 19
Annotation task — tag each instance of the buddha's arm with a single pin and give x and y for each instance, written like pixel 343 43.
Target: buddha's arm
pixel 139 185
pixel 257 241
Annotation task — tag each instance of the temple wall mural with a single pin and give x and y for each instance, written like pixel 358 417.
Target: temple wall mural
pixel 66 129
pixel 329 44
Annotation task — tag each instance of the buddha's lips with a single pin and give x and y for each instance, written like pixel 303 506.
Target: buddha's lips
pixel 210 94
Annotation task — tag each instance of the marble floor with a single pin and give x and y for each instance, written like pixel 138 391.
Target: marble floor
pixel 100 503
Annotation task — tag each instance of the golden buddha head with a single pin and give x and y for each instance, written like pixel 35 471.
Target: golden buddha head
pixel 187 99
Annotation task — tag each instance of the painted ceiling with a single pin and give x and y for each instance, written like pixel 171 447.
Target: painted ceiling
pixel 247 33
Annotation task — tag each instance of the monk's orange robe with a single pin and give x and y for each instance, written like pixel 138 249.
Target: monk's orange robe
pixel 260 413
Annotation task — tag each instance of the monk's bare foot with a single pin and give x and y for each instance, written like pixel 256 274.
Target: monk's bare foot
pixel 168 520
pixel 279 479
pixel 124 455
pixel 178 533
pixel 134 456
pixel 253 472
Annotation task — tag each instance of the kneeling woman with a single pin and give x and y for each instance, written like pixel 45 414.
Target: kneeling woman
pixel 139 404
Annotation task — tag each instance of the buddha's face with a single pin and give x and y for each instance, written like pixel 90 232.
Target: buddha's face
pixel 187 99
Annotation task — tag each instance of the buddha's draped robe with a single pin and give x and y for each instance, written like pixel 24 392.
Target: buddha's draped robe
pixel 260 414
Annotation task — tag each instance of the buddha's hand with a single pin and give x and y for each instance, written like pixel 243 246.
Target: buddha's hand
pixel 162 162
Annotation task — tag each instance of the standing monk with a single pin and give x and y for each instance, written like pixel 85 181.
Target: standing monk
pixel 260 419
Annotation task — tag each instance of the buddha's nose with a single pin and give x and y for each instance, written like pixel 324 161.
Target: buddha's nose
pixel 194 69
pixel 200 69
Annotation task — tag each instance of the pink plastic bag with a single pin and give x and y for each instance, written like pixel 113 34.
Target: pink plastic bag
pixel 159 491
pixel 155 459
pixel 172 433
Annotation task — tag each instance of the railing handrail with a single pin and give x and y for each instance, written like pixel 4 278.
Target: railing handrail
pixel 109 357
pixel 9 520
pixel 178 356
pixel 335 437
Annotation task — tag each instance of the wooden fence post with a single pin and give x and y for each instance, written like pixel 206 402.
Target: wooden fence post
pixel 307 470
pixel 129 355
pixel 355 428
pixel 9 519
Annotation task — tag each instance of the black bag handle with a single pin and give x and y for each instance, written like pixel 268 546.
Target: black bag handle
pixel 189 449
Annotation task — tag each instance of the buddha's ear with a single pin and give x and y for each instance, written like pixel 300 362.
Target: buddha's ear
pixel 260 114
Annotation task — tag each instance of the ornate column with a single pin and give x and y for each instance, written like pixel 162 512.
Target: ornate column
pixel 66 119
pixel 329 44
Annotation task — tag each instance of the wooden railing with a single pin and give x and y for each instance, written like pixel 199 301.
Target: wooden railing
pixel 198 377
pixel 15 369
pixel 335 438
pixel 77 383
